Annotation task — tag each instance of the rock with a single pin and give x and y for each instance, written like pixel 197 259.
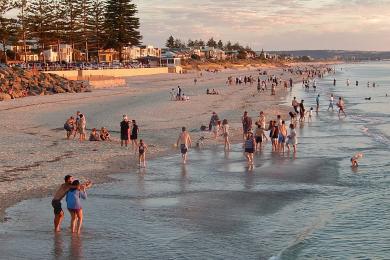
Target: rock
pixel 4 96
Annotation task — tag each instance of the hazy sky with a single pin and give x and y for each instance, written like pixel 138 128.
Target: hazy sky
pixel 270 24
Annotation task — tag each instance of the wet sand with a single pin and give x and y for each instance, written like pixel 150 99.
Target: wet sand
pixel 35 154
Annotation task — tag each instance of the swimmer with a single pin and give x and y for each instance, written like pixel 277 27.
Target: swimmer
pixel 355 158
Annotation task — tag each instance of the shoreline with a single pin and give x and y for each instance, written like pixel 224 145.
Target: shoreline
pixel 117 162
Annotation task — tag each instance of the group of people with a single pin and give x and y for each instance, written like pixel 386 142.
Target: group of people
pixel 178 95
pixel 129 133
pixel 77 125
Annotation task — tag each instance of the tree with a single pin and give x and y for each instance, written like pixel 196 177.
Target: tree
pixel 72 27
pixel 220 45
pixel 201 43
pixel 170 42
pixel 242 54
pixel 97 24
pixel 179 44
pixel 228 46
pixel 39 21
pixel 85 25
pixel 5 30
pixel 212 43
pixel 8 33
pixel 190 43
pixel 21 5
pixel 121 25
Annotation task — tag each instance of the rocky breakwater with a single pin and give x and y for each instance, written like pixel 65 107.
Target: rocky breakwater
pixel 17 83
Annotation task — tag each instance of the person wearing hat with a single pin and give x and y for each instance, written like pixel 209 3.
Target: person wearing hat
pixel 125 130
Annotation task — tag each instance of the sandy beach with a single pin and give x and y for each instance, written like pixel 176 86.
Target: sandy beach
pixel 35 155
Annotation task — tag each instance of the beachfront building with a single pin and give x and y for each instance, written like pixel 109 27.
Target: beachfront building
pixel 132 53
pixel 170 58
pixel 149 50
pixel 59 53
pixel 108 55
pixel 231 55
pixel 212 53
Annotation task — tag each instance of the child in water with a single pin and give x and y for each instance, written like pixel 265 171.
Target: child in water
pixel 355 158
pixel 142 147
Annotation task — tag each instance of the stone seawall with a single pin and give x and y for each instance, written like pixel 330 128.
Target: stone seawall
pixel 86 74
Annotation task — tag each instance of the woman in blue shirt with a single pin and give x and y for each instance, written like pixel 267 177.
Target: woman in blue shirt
pixel 73 201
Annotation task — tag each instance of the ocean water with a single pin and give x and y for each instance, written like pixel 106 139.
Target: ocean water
pixel 309 206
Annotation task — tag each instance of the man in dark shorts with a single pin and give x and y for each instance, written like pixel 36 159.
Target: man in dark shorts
pixel 185 142
pixel 125 128
pixel 59 195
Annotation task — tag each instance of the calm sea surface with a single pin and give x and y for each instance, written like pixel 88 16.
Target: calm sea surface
pixel 314 206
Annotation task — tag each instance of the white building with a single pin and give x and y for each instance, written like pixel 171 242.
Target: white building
pixel 57 53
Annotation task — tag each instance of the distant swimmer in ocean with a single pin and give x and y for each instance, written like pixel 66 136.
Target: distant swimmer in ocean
pixel 355 158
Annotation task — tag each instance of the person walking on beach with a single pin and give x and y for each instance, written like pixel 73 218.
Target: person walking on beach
pixel 246 124
pixel 125 130
pixel 134 135
pixel 185 143
pixel 341 106
pixel 214 124
pixel 142 148
pixel 58 196
pixel 295 105
pixel 331 102
pixel 250 144
pixel 301 112
pixel 73 202
pixel 225 133
pixel 292 139
pixel 318 103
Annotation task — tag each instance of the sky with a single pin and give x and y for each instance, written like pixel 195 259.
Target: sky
pixel 270 24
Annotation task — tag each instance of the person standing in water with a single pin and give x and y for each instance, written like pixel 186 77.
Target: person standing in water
pixel 318 103
pixel 73 202
pixel 225 133
pixel 334 82
pixel 295 105
pixel 331 102
pixel 142 148
pixel 134 135
pixel 59 195
pixel 125 130
pixel 250 144
pixel 292 139
pixel 185 143
pixel 341 106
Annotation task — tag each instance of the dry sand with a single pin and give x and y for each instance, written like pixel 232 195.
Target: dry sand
pixel 35 155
